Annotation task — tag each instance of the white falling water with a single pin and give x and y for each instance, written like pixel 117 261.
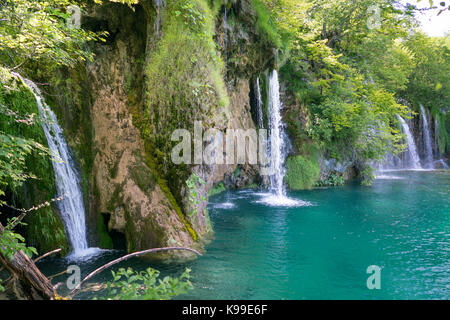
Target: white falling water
pixel 277 145
pixel 67 184
pixel 259 105
pixel 413 161
pixel 277 150
pixel 225 30
pixel 436 137
pixel 428 147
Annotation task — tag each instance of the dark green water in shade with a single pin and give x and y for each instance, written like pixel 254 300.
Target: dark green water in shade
pixel 322 251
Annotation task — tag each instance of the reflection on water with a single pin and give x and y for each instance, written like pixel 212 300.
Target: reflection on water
pixel 320 251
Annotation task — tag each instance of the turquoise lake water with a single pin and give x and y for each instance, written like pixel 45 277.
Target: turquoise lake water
pixel 322 250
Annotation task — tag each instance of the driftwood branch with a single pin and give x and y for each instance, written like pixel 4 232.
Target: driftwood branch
pixel 57 275
pixel 128 256
pixel 46 255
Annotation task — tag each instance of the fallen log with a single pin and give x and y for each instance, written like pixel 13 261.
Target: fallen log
pixel 26 281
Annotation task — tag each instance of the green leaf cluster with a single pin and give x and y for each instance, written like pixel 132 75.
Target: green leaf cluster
pixel 128 284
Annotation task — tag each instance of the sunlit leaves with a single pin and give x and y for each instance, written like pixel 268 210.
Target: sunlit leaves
pixel 38 31
pixel 128 284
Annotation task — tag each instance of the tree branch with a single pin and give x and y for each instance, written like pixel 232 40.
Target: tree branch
pixel 135 254
pixel 46 255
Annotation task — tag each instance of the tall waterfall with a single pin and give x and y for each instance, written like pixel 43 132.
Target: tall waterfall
pixel 71 206
pixel 277 141
pixel 428 147
pixel 259 105
pixel 413 161
pixel 277 150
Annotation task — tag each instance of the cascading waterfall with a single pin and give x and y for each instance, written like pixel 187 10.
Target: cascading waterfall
pixel 413 157
pixel 71 206
pixel 276 143
pixel 259 105
pixel 428 147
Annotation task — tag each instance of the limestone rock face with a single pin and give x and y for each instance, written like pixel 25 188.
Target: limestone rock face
pixel 103 112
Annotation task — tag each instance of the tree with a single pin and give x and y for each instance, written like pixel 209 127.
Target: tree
pixel 34 35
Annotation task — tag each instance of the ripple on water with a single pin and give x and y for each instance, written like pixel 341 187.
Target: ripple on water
pixel 225 205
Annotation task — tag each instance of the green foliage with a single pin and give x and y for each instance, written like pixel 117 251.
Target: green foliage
pixel 45 231
pixel 367 175
pixel 194 197
pixel 430 82
pixel 302 173
pixel 11 242
pixel 333 180
pixel 145 285
pixel 346 78
pixel 265 24
pixel 25 165
pixel 38 31
pixel 219 188
pixel 33 34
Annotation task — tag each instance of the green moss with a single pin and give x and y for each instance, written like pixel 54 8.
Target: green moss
pixel 251 186
pixel 143 178
pixel 44 229
pixel 301 173
pixel 105 240
pixel 209 227
pixel 165 189
pixel 219 188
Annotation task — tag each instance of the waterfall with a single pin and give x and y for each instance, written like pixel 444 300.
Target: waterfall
pixel 413 161
pixel 428 147
pixel 158 4
pixel 277 150
pixel 225 29
pixel 277 144
pixel 436 137
pixel 71 206
pixel 259 105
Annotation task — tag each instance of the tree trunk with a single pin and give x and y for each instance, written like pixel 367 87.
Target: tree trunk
pixel 26 281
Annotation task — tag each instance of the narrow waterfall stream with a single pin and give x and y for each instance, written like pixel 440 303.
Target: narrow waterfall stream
pixel 277 139
pixel 428 147
pixel 259 105
pixel 71 207
pixel 277 149
pixel 413 161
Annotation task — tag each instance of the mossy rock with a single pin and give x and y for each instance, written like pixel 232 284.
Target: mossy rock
pixel 219 188
pixel 302 173
pixel 104 238
pixel 45 231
